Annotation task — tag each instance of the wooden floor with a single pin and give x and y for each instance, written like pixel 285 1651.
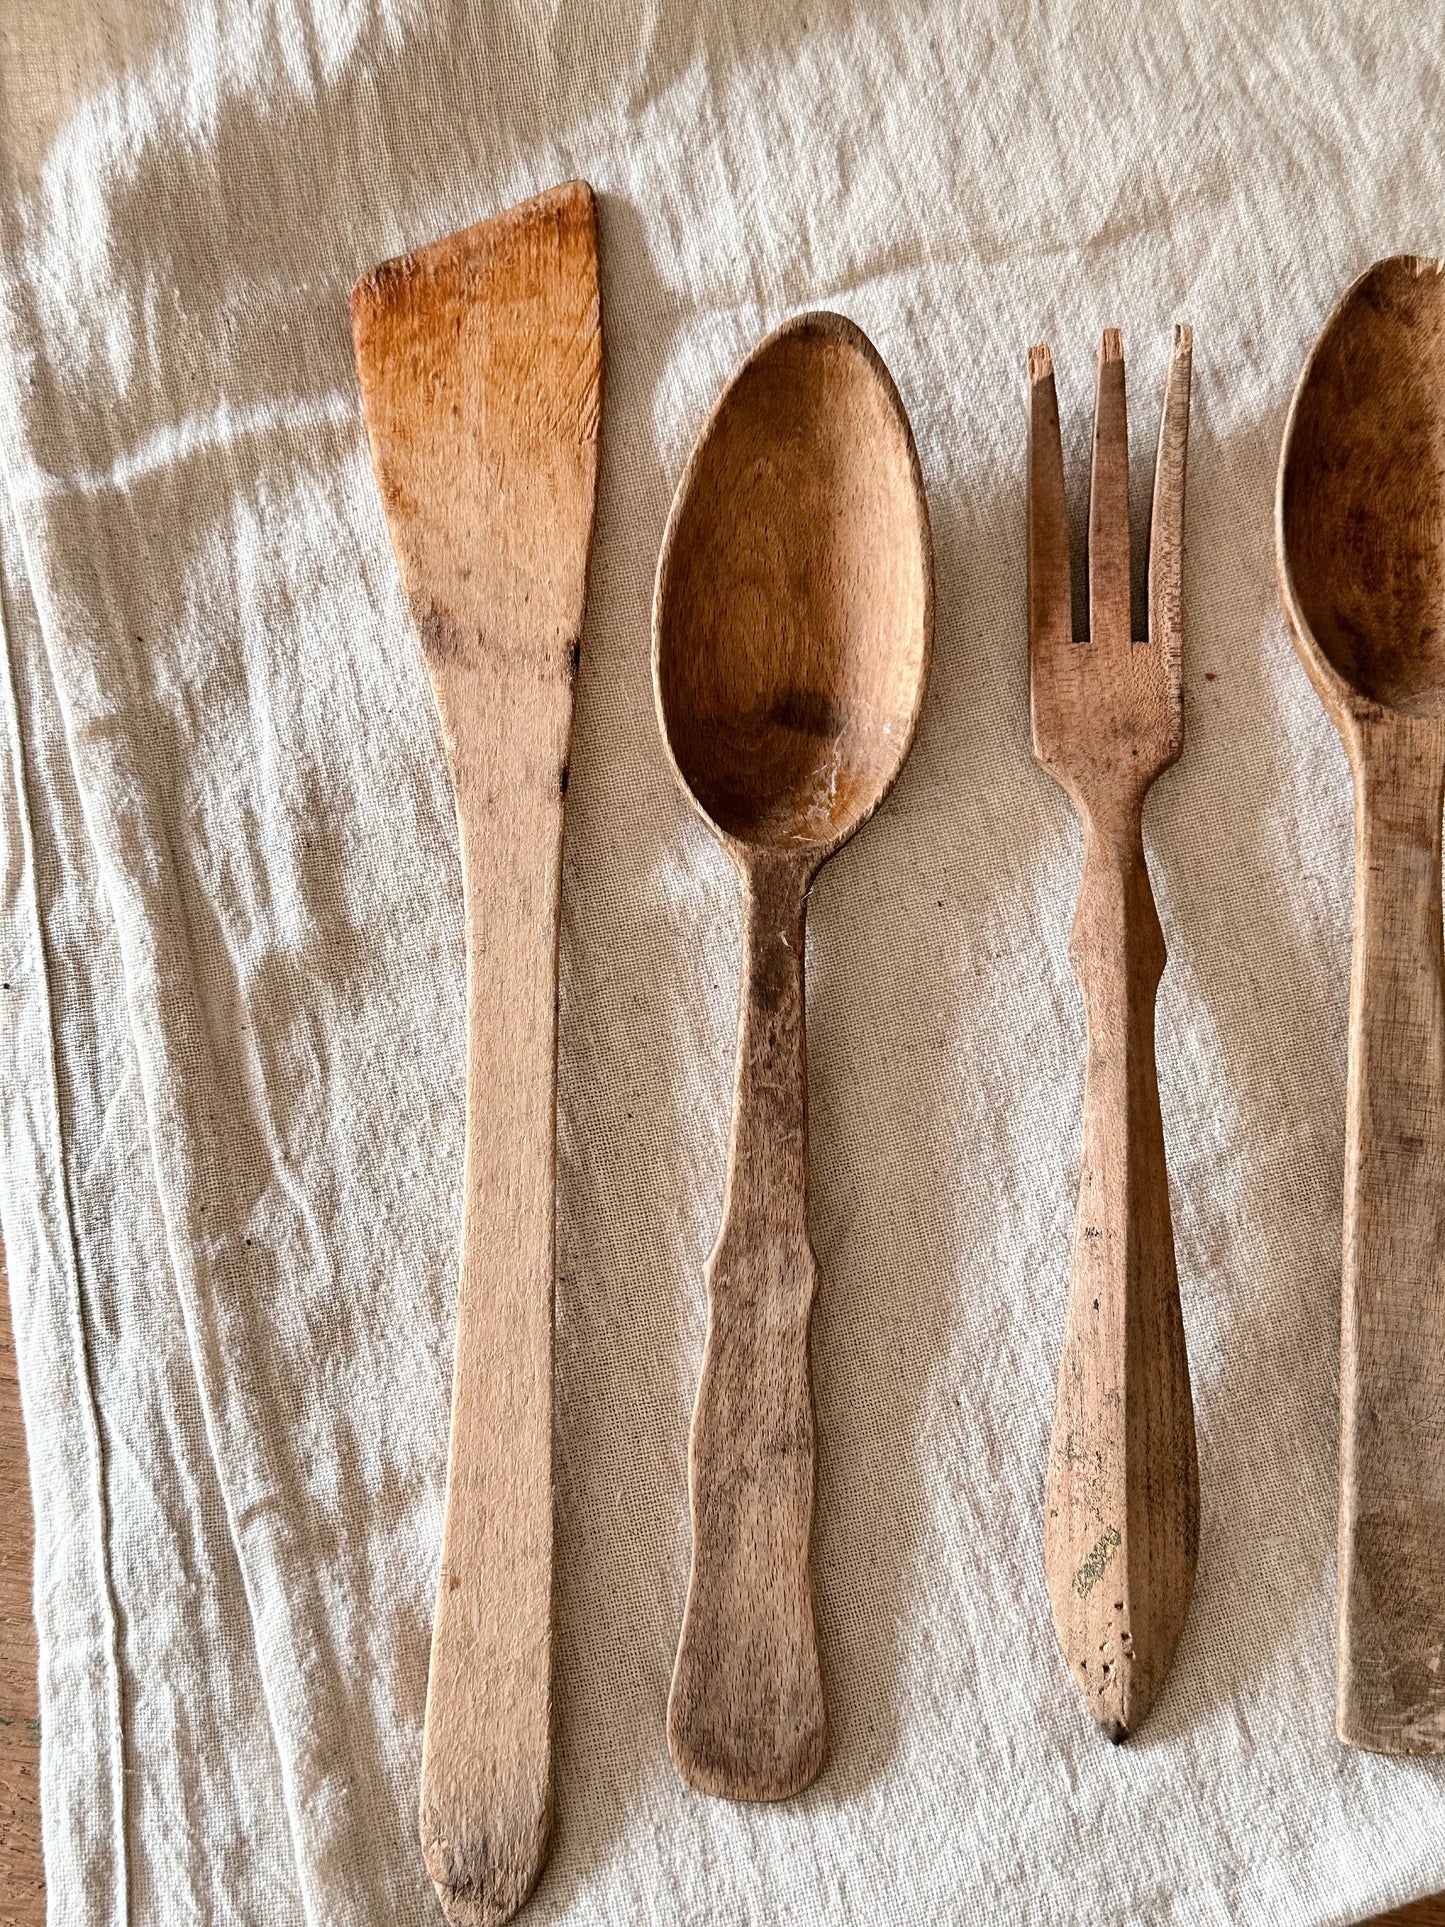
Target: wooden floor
pixel 22 1883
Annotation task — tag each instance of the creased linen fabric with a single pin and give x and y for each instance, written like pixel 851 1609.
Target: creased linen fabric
pixel 231 1066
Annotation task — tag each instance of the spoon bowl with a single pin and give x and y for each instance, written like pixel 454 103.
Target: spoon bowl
pixel 1362 494
pixel 1360 530
pixel 794 594
pixel 792 630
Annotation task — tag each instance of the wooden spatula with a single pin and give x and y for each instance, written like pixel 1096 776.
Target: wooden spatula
pixel 480 359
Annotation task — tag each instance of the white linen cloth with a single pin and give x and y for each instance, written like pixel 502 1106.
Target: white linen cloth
pixel 231 1061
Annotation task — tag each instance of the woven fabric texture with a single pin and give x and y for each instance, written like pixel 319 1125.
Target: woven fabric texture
pixel 231 1069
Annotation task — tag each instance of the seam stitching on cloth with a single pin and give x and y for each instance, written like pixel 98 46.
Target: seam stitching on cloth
pixel 80 1344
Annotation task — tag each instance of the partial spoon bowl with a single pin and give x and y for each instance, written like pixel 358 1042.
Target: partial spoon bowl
pixel 1362 496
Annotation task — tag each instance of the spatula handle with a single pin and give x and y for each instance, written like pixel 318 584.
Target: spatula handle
pixel 746 1716
pixel 1121 1525
pixel 486 1787
pixel 1391 1659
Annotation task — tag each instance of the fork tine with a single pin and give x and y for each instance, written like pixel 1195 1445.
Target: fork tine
pixel 1051 622
pixel 1109 501
pixel 1166 522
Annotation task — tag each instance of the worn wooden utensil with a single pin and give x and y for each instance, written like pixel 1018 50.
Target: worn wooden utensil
pixel 480 360
pixel 1121 1524
pixel 1360 536
pixel 792 633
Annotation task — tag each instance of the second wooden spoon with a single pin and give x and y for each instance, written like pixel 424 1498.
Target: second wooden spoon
pixel 1361 544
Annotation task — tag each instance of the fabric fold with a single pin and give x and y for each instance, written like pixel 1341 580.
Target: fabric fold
pixel 232 1079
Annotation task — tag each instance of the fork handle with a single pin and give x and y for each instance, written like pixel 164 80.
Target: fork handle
pixel 1121 1527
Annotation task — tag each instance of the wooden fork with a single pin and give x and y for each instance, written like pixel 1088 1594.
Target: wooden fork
pixel 1121 1525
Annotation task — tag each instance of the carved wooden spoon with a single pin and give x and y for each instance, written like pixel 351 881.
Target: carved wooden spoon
pixel 1360 531
pixel 792 633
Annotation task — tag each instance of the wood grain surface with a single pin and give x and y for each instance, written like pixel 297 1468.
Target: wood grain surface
pixel 1361 547
pixel 1121 1501
pixel 480 362
pixel 792 634
pixel 746 1717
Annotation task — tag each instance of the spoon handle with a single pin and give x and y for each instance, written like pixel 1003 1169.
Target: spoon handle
pixel 1390 1676
pixel 746 1717
pixel 1121 1525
